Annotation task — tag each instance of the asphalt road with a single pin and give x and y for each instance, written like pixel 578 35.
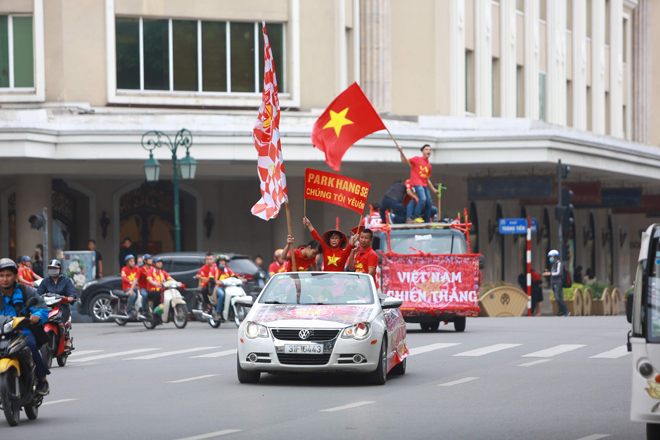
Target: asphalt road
pixel 504 378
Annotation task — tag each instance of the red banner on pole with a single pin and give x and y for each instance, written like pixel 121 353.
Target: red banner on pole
pixel 336 189
pixel 432 285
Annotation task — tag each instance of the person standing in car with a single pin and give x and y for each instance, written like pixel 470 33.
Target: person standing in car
pixel 276 266
pixel 59 284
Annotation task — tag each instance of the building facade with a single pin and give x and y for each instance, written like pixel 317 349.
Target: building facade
pixel 501 90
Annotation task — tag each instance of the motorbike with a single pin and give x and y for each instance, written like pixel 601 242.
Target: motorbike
pixel 172 309
pixel 17 370
pixel 56 330
pixel 231 312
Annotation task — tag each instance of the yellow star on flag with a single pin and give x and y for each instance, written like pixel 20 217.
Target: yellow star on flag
pixel 338 120
pixel 332 260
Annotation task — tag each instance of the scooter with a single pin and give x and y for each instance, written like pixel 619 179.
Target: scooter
pixel 56 330
pixel 232 311
pixel 172 309
pixel 17 370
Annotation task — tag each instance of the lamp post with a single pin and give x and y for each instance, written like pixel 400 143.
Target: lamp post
pixel 154 139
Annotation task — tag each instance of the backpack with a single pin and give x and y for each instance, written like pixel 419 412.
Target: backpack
pixel 566 278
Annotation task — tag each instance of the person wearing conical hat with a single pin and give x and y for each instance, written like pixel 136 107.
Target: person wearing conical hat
pixel 335 249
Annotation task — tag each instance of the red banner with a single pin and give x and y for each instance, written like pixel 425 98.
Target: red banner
pixel 433 285
pixel 336 189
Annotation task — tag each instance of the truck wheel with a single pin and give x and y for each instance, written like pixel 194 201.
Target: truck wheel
pixel 434 326
pixel 459 323
pixel 425 326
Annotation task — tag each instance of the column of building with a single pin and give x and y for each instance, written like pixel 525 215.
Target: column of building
pixel 483 60
pixel 457 57
pixel 532 59
pixel 641 71
pixel 556 62
pixel 508 37
pixel 33 194
pixel 376 52
pixel 616 68
pixel 598 66
pixel 579 65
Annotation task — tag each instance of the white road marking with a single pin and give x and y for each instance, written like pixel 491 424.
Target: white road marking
pixel 487 350
pixel 216 354
pixel 211 434
pixel 109 355
pixel 594 437
pixel 193 378
pixel 169 353
pixel 554 351
pixel 613 354
pixel 83 352
pixel 540 361
pixel 431 347
pixel 457 382
pixel 54 402
pixel 349 406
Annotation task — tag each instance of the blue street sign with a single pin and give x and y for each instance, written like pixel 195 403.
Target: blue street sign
pixel 516 226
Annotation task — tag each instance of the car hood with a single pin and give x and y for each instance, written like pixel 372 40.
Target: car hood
pixel 330 316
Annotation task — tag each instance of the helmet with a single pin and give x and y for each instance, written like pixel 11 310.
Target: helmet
pixel 279 252
pixel 146 257
pixel 8 263
pixel 553 253
pixel 128 257
pixel 55 263
pixel 154 259
pixel 25 258
pixel 221 257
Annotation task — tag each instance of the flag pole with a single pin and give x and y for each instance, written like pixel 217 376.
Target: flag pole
pixel 304 207
pixel 288 223
pixel 395 142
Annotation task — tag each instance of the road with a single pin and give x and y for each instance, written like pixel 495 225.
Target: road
pixel 504 378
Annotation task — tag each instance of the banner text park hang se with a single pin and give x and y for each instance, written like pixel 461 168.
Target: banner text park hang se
pixel 336 189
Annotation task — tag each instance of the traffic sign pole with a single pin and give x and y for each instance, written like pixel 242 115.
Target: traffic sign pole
pixel 529 266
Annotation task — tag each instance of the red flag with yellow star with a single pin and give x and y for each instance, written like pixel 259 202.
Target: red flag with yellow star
pixel 349 118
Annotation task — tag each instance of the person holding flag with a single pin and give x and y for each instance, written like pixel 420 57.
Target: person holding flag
pixel 335 249
pixel 305 257
pixel 420 178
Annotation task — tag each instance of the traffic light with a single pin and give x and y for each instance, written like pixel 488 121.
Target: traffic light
pixel 565 202
pixel 563 170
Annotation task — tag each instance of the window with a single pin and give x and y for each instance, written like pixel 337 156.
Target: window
pixel 520 5
pixel 469 82
pixel 194 55
pixel 16 52
pixel 589 115
pixel 608 127
pixel 496 107
pixel 608 11
pixel 520 92
pixel 625 41
pixel 569 103
pixel 542 96
pixel 543 10
pixel 569 15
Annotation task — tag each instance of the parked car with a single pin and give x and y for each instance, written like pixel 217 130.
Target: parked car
pixel 182 266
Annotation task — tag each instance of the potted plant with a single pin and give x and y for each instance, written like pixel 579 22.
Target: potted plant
pixel 599 305
pixel 616 299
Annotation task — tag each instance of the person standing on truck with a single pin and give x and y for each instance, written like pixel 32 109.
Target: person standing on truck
pixel 420 178
pixel 393 201
pixel 363 258
pixel 335 249
pixel 556 275
pixel 305 256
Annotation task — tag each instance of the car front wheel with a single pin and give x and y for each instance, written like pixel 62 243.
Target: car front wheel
pixel 100 308
pixel 379 375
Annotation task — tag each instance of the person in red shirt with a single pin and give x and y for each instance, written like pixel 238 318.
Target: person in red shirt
pixel 224 272
pixel 26 275
pixel 205 274
pixel 143 285
pixel 129 279
pixel 155 278
pixel 335 249
pixel 420 177
pixel 305 257
pixel 276 266
pixel 374 218
pixel 363 258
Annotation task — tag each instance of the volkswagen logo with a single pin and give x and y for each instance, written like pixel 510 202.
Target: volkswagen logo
pixel 304 334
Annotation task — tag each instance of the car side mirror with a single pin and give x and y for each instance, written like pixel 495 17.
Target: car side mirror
pixel 482 262
pixel 245 301
pixel 629 308
pixel 391 303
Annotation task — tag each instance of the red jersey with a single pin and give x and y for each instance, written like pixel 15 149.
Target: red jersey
pixel 302 263
pixel 420 171
pixel 27 274
pixel 207 273
pixel 407 198
pixel 158 276
pixel 225 273
pixel 142 277
pixel 365 259
pixel 372 220
pixel 334 260
pixel 275 267
pixel 128 275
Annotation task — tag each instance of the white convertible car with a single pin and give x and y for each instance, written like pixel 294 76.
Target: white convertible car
pixel 322 321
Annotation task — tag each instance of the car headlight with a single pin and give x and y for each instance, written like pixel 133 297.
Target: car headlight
pixel 8 327
pixel 358 331
pixel 254 330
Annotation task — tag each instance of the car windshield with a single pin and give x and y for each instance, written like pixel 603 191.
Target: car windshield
pixel 243 266
pixel 432 242
pixel 318 288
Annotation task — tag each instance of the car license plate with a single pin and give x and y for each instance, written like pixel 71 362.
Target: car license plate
pixel 303 349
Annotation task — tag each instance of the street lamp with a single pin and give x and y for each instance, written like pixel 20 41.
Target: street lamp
pixel 154 139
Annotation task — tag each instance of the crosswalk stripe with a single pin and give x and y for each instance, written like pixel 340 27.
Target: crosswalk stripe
pixel 55 402
pixel 211 434
pixel 595 437
pixel 458 382
pixel 487 350
pixel 431 347
pixel 216 354
pixel 83 352
pixel 169 353
pixel 529 364
pixel 349 406
pixel 554 351
pixel 613 354
pixel 206 376
pixel 109 355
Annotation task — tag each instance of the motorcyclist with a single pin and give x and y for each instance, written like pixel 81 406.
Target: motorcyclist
pixel 59 284
pixel 14 296
pixel 156 277
pixel 207 275
pixel 129 281
pixel 224 272
pixel 143 284
pixel 26 275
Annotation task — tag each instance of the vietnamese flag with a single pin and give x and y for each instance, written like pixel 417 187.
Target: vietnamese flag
pixel 349 118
